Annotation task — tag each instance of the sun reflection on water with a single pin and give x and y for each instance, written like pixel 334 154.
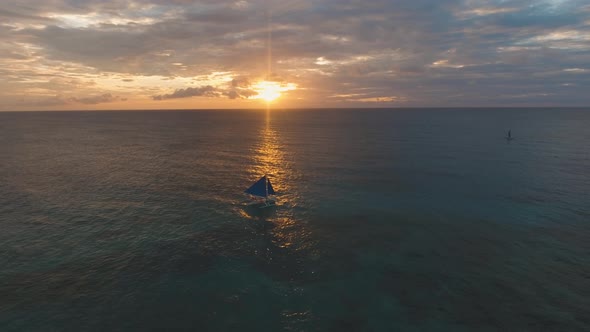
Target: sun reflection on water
pixel 284 227
pixel 269 156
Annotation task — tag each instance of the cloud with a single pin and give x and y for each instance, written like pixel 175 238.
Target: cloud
pixel 239 88
pixel 91 100
pixel 205 91
pixel 60 100
pixel 240 93
pixel 240 82
pixel 393 52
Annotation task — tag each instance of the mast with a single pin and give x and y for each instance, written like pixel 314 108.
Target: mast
pixel 266 186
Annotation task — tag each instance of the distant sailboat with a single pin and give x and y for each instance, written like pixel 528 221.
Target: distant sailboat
pixel 509 136
pixel 262 191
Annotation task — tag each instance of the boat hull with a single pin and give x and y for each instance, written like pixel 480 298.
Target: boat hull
pixel 262 203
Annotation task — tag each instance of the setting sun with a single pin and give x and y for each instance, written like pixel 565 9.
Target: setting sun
pixel 270 91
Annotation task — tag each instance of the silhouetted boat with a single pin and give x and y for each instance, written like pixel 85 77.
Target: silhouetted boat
pixel 509 136
pixel 262 191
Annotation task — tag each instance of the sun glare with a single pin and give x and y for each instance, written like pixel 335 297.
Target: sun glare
pixel 270 91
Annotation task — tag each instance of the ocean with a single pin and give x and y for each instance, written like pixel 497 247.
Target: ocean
pixel 387 220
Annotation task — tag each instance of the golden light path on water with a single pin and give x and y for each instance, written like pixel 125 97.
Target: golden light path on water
pixel 269 157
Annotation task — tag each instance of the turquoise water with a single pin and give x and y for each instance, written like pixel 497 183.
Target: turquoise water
pixel 414 220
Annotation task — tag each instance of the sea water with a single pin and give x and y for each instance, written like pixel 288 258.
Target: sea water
pixel 390 219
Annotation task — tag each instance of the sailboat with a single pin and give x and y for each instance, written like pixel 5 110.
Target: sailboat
pixel 262 192
pixel 509 137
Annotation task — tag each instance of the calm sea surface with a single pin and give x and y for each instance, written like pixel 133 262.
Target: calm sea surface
pixel 414 220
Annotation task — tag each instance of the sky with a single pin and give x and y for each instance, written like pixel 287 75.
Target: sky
pixel 184 54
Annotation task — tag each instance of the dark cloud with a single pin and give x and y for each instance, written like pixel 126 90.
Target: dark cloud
pixel 59 100
pixel 239 88
pixel 238 93
pixel 91 100
pixel 240 82
pixel 218 16
pixel 12 16
pixel 205 91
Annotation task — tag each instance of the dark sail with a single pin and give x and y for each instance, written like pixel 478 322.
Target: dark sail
pixel 271 191
pixel 261 188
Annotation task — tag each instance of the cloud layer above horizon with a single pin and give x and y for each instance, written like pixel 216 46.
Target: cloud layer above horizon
pixel 84 54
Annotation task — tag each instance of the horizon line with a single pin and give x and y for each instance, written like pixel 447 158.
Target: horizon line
pixel 295 109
